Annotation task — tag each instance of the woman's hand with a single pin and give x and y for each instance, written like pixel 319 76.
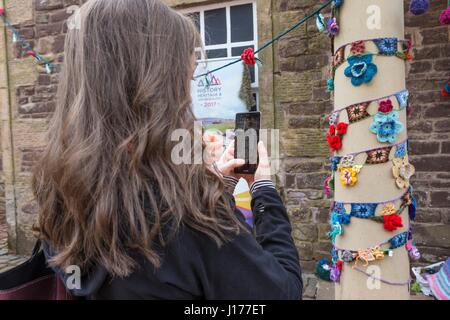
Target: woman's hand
pixel 214 155
pixel 263 170
pixel 227 163
pixel 213 148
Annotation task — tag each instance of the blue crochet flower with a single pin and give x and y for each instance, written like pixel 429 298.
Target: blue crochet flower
pixel 386 126
pixel 334 162
pixel 338 207
pixel 386 46
pixel 340 218
pixel 361 69
pixel 338 3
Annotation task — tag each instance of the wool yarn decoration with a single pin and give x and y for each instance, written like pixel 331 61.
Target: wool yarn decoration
pixel 323 269
pixel 338 3
pixel 445 92
pixel 333 27
pixel 320 22
pixel 444 17
pixel 418 7
pixel 248 57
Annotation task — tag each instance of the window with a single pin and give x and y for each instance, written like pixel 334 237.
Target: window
pixel 226 30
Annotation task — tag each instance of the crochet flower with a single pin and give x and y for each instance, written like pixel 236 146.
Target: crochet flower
pixel 392 222
pixel 418 7
pixel 414 253
pixel 340 218
pixel 332 130
pixel 361 69
pixel 333 27
pixel 338 3
pixel 389 209
pixel 349 175
pixel 386 106
pixel 386 126
pixel 444 17
pixel 335 274
pixel 335 134
pixel 358 47
pixel 347 256
pixel 333 118
pixel 402 171
pixel 342 128
pixel 248 57
pixel 334 163
pixel 334 142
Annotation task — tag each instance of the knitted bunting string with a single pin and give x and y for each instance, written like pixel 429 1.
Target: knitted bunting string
pixel 24 44
pixel 270 42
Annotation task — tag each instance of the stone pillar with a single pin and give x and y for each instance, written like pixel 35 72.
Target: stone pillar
pixel 365 20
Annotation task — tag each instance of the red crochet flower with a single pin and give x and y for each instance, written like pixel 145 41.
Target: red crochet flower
pixel 392 222
pixel 444 17
pixel 358 47
pixel 339 265
pixel 342 128
pixel 332 130
pixel 334 142
pixel 386 106
pixel 248 56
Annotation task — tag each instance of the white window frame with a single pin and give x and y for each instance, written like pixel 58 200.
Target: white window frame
pixel 228 45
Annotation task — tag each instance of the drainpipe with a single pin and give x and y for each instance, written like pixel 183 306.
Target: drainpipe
pixel 7 140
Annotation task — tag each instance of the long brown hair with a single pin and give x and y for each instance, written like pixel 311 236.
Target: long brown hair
pixel 125 82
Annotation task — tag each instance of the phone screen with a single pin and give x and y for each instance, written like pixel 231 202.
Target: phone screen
pixel 246 141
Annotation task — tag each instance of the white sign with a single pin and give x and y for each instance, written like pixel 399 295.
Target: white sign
pixel 215 97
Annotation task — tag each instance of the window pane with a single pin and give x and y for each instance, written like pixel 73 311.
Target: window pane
pixel 195 17
pixel 217 53
pixel 242 23
pixel 237 51
pixel 215 27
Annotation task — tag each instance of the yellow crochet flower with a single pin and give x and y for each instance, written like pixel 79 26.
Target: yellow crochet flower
pixel 389 209
pixel 349 175
pixel 402 171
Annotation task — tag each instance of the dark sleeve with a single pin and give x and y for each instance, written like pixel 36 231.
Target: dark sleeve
pixel 247 268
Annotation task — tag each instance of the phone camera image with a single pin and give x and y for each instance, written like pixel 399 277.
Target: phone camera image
pixel 246 141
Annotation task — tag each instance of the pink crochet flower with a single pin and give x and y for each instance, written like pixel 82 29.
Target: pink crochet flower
pixel 444 17
pixel 386 106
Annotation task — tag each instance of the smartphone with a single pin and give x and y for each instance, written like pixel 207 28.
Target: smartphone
pixel 246 141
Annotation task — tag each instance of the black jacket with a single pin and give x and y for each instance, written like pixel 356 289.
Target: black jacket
pixel 264 266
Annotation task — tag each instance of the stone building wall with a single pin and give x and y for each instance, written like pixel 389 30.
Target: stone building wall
pixel 293 98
